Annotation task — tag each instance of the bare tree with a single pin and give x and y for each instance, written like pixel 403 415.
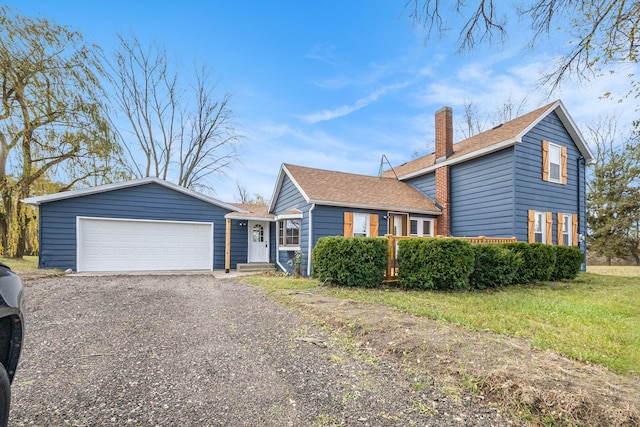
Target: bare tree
pixel 604 32
pixel 472 123
pixel 184 132
pixel 245 198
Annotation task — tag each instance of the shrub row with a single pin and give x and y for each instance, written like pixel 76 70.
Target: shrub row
pixel 446 264
pixel 443 264
pixel 350 261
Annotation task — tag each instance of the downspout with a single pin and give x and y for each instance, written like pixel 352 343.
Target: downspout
pixel 278 256
pixel 579 192
pixel 310 242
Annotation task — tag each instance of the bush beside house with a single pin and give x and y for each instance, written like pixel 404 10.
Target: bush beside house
pixel 435 263
pixel 443 263
pixel 350 261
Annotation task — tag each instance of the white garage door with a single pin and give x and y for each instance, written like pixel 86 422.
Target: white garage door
pixel 106 244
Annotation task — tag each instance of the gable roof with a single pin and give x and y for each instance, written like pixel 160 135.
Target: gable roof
pixel 502 136
pixel 38 200
pixel 332 188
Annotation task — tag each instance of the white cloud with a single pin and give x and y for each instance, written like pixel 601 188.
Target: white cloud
pixel 344 110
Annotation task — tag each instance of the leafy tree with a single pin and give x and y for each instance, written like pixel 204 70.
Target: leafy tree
pixel 613 199
pixel 185 132
pixel 603 32
pixel 52 117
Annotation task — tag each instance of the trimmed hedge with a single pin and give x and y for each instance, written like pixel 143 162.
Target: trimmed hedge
pixel 569 261
pixel 441 264
pixel 350 261
pixel 538 261
pixel 494 266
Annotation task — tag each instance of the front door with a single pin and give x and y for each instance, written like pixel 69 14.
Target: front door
pixel 258 241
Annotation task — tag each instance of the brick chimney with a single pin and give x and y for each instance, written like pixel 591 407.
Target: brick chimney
pixel 444 133
pixel 444 148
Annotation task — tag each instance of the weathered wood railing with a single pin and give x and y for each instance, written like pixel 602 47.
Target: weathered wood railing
pixel 392 258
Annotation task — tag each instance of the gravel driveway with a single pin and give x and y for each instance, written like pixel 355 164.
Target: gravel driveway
pixel 191 350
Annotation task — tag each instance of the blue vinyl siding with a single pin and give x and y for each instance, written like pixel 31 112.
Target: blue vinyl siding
pixel 239 243
pixel 290 198
pixel 149 201
pixel 329 221
pixel 426 184
pixel 534 193
pixel 482 194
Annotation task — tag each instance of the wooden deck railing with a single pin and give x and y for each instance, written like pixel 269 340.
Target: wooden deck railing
pixel 392 258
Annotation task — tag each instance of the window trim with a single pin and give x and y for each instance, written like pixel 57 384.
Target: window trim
pixel 558 149
pixel 539 218
pixel 567 220
pixel 367 227
pixel 291 246
pixel 420 226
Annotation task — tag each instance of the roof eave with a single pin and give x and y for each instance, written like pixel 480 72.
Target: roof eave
pixel 38 200
pixel 469 156
pixel 380 207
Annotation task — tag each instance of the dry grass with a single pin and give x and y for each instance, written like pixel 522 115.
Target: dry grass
pixel 540 386
pixel 615 270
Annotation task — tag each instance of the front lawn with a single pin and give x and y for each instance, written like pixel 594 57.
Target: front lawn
pixel 595 318
pixel 26 263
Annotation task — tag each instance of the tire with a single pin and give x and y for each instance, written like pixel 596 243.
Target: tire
pixel 5 397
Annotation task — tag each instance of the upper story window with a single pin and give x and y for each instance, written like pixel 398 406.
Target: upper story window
pixel 554 163
pixel 421 227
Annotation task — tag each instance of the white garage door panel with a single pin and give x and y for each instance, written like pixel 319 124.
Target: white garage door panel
pixel 131 245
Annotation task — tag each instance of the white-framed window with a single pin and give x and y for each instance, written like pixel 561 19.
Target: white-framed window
pixel 566 230
pixel 539 227
pixel 421 227
pixel 360 225
pixel 289 232
pixel 555 163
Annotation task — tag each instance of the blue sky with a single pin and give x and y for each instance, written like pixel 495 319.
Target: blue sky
pixel 332 84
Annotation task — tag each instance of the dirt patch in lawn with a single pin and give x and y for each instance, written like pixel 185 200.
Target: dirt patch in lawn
pixel 539 385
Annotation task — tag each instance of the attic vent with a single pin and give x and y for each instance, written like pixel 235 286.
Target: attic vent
pixel 497 126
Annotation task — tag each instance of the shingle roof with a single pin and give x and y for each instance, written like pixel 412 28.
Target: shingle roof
pixel 501 136
pixel 346 189
pixel 38 200
pixel 251 211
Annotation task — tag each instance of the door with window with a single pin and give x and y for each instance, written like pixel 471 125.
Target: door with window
pixel 258 241
pixel 398 224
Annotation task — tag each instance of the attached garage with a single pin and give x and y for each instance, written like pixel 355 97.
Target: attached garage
pixel 142 225
pixel 112 244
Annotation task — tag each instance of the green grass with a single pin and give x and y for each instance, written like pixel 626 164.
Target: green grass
pixel 595 318
pixel 26 263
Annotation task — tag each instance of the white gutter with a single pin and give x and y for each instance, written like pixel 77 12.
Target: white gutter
pixel 310 240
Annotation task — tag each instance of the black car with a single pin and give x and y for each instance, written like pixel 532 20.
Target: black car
pixel 11 331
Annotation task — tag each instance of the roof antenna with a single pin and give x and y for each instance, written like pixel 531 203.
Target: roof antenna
pixel 384 160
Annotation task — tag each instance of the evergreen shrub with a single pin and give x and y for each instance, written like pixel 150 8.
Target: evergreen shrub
pixel 494 266
pixel 442 264
pixel 569 261
pixel 350 261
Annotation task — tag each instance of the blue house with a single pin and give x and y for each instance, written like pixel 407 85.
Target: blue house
pixel 147 225
pixel 524 178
